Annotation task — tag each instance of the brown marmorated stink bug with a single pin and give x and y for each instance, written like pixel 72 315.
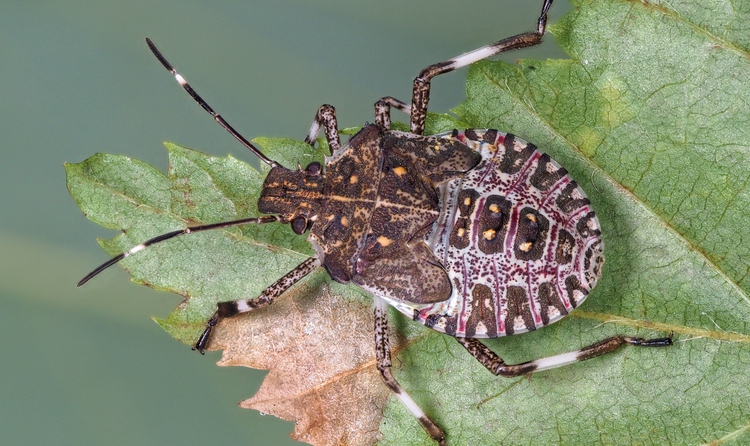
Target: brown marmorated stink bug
pixel 473 233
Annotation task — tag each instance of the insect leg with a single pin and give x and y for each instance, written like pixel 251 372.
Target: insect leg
pixel 383 111
pixel 326 117
pixel 497 366
pixel 383 359
pixel 267 297
pixel 421 92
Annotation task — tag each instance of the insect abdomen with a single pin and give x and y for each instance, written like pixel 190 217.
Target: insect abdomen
pixel 519 239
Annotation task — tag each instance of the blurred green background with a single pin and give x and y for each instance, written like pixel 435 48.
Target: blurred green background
pixel 88 366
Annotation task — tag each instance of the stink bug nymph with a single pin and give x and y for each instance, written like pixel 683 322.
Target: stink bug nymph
pixel 473 233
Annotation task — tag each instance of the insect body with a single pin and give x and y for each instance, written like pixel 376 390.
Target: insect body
pixel 473 233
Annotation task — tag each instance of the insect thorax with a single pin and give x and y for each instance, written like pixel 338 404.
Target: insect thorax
pixel 378 201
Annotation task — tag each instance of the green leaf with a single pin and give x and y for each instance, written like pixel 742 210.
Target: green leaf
pixel 650 115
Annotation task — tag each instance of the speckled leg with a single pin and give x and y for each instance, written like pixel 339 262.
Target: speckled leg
pixel 266 298
pixel 326 117
pixel 421 92
pixel 497 366
pixel 383 111
pixel 383 359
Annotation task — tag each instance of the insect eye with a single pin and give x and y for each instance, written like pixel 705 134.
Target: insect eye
pixel 299 225
pixel 313 168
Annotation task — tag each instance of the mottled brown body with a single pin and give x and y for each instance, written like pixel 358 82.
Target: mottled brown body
pixel 375 201
pixel 473 233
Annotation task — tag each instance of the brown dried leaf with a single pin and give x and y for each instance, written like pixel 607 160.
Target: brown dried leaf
pixel 320 352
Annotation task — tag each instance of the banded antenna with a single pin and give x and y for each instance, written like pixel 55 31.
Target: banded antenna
pixel 173 234
pixel 227 224
pixel 217 117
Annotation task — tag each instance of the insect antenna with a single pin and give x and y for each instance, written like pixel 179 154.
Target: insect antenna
pixel 169 235
pixel 217 117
